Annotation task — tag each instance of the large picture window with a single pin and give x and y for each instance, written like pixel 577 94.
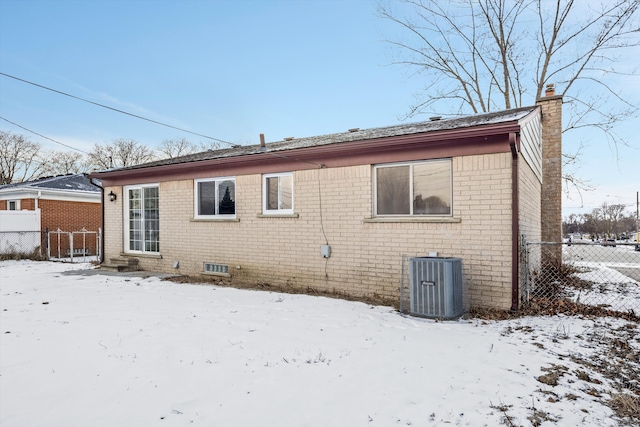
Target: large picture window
pixel 215 198
pixel 277 192
pixel 420 188
pixel 142 231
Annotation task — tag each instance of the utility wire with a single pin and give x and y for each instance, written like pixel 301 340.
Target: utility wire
pixel 42 136
pixel 136 116
pixel 319 165
pixel 116 110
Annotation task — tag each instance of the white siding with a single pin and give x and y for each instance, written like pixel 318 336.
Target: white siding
pixel 531 142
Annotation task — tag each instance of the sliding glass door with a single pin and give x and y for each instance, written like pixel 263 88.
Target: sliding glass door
pixel 142 231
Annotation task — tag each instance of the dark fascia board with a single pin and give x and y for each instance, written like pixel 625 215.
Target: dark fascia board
pixel 446 143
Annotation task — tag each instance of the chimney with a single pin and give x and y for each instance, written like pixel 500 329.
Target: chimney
pixel 551 198
pixel 262 140
pixel 550 90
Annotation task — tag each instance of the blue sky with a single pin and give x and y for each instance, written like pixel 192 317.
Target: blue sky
pixel 230 70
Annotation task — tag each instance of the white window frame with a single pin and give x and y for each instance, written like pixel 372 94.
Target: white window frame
pixel 196 198
pixel 265 192
pixel 411 164
pixel 16 205
pixel 127 228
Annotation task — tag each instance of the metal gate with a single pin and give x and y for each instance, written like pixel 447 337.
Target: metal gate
pixel 74 246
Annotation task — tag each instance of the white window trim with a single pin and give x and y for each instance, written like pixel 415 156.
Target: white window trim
pixel 411 215
pixel 277 212
pixel 17 202
pixel 125 218
pixel 196 199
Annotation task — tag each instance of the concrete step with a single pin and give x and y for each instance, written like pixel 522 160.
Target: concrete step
pixel 121 264
pixel 130 262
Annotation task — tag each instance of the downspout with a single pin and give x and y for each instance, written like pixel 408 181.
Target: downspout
pixel 101 219
pixel 46 229
pixel 514 221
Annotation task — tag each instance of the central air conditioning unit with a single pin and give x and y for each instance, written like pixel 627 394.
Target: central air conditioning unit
pixel 436 287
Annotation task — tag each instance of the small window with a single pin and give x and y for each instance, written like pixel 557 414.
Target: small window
pixel 420 188
pixel 13 205
pixel 277 193
pixel 215 197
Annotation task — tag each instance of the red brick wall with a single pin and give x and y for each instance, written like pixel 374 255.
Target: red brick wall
pixel 28 204
pixel 70 216
pixel 25 204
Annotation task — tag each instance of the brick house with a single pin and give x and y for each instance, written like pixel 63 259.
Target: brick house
pixel 336 213
pixel 67 202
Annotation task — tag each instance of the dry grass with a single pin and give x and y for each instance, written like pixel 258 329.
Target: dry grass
pixel 35 256
pixel 552 307
pixel 626 406
pixel 289 288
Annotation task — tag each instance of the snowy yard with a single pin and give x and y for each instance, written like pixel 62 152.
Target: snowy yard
pixel 105 350
pixel 609 285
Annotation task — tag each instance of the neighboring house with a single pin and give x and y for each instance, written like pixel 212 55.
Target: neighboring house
pixel 338 213
pixel 67 202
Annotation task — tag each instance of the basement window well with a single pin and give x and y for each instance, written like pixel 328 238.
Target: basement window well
pixel 215 269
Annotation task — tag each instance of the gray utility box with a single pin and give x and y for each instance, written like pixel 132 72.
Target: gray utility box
pixel 436 287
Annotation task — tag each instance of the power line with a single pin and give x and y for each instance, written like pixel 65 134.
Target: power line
pixel 116 110
pixel 136 116
pixel 42 136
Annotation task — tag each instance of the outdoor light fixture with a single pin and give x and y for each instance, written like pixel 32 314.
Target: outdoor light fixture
pixel 112 196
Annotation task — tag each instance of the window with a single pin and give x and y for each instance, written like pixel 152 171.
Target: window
pixel 420 188
pixel 215 198
pixel 277 193
pixel 13 205
pixel 142 230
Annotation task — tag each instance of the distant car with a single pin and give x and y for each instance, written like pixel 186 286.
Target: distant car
pixel 609 242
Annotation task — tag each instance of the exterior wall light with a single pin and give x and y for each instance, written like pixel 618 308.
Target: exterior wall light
pixel 112 196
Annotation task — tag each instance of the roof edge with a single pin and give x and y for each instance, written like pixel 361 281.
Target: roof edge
pixel 316 154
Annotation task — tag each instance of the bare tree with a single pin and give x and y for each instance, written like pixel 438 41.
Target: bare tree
pixel 611 215
pixel 172 148
pixel 65 162
pixel 19 159
pixel 119 153
pixel 210 145
pixel 481 55
pixel 610 220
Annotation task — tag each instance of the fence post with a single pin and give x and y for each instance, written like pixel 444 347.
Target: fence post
pixel 47 244
pixel 71 245
pixel 524 259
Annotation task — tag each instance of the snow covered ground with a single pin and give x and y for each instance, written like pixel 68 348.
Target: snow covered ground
pixel 602 268
pixel 105 350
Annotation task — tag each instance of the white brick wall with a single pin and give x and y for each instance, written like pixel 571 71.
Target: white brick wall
pixel 366 256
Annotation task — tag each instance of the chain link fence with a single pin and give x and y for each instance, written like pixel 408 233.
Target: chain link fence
pixel 599 275
pixel 56 245
pixel 23 245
